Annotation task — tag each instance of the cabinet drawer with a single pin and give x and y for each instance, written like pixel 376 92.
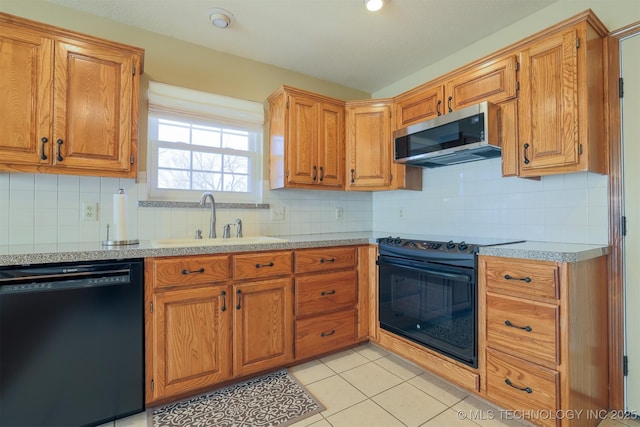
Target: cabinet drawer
pixel 535 278
pixel 255 266
pixel 185 271
pixel 325 292
pixel 324 259
pixel 320 334
pixel 519 385
pixel 523 327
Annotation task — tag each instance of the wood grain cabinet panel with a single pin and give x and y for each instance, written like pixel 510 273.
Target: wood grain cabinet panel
pixel 523 278
pixel 262 264
pixel 310 260
pixel 321 334
pixel 191 342
pixel 187 271
pixel 73 101
pixel 419 105
pixel 320 293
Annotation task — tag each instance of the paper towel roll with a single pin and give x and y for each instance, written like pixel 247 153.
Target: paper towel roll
pixel 119 216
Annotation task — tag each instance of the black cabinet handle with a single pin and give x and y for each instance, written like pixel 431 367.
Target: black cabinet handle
pixel 509 383
pixel 264 265
pixel 328 334
pixel 223 294
pixel 438 107
pixel 44 140
pixel 524 154
pixel 315 172
pixel 321 173
pixel 353 179
pixel 524 279
pixel 449 103
pixel 323 260
pixel 201 270
pixel 331 292
pixel 238 299
pixel 524 328
pixel 59 142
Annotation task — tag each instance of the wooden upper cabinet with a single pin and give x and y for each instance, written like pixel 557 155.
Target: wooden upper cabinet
pixel 560 109
pixel 73 101
pixel 423 104
pixel 369 145
pixel 494 81
pixel 26 82
pixel 306 140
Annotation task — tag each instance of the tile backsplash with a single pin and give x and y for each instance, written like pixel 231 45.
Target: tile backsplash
pixel 470 200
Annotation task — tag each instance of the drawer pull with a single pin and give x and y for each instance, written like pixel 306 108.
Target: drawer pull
pixel 200 270
pixel 224 301
pixel 524 279
pixel 328 334
pixel 239 298
pixel 331 292
pixel 264 265
pixel 510 384
pixel 323 260
pixel 524 328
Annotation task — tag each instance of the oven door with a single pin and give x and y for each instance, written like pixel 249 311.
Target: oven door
pixel 430 303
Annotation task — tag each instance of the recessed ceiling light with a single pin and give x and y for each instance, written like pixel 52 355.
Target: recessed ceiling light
pixel 220 18
pixel 374 5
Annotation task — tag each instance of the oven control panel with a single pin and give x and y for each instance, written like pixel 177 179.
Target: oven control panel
pixel 427 245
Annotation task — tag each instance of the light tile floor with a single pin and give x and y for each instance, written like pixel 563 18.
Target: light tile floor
pixel 368 386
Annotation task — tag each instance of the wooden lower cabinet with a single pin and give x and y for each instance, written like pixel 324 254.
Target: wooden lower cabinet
pixel 262 325
pixel 191 340
pixel 543 338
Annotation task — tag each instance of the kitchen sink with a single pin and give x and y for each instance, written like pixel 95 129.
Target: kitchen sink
pixel 250 240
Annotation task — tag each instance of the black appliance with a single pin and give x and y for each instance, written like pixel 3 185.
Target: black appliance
pixel 460 136
pixel 71 343
pixel 428 293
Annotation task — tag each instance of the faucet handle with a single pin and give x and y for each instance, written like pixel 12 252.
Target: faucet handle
pixel 238 227
pixel 226 231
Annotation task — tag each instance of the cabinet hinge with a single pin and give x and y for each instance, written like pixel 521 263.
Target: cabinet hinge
pixel 287 103
pixel 517 66
pixel 152 385
pixel 390 177
pixel 151 307
pixel 579 148
pixel 625 365
pixel 517 86
pixel 577 42
pixel 621 87
pixel 287 173
pixel 623 225
pixel 132 159
pixel 133 70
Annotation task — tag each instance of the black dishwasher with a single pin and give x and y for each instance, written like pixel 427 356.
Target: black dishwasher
pixel 71 343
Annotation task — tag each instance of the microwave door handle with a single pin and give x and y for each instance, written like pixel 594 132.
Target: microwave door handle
pixel 436 273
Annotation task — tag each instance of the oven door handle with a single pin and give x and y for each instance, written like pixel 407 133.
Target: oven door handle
pixel 422 269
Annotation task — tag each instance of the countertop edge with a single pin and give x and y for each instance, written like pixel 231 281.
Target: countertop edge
pixel 537 251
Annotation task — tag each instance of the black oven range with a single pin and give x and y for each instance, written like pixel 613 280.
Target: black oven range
pixel 428 292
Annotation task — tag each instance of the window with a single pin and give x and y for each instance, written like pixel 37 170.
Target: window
pixel 203 142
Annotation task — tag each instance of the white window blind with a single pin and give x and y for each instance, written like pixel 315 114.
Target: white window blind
pixel 199 142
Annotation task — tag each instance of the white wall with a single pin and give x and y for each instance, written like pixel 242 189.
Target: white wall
pixel 43 208
pixel 473 200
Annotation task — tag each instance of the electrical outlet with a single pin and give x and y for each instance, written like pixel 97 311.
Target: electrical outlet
pixel 401 213
pixel 89 211
pixel 339 214
pixel 278 214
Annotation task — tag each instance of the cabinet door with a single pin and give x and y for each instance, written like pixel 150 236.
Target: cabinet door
pixel 302 167
pixel 369 147
pixel 191 335
pixel 494 82
pixel 262 325
pixel 548 105
pixel 93 108
pixel 26 76
pixel 331 146
pixel 423 105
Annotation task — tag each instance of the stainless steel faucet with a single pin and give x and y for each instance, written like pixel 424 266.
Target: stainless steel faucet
pixel 212 224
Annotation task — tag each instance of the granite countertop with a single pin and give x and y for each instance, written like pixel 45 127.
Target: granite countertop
pixel 88 251
pixel 547 251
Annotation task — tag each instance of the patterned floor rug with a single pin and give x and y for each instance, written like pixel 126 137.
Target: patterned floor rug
pixel 276 399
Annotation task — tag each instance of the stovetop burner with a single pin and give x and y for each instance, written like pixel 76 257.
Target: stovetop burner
pixel 438 246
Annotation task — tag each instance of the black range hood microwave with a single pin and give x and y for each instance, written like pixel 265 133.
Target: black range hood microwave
pixel 461 136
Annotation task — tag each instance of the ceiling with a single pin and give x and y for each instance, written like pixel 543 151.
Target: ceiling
pixel 335 40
